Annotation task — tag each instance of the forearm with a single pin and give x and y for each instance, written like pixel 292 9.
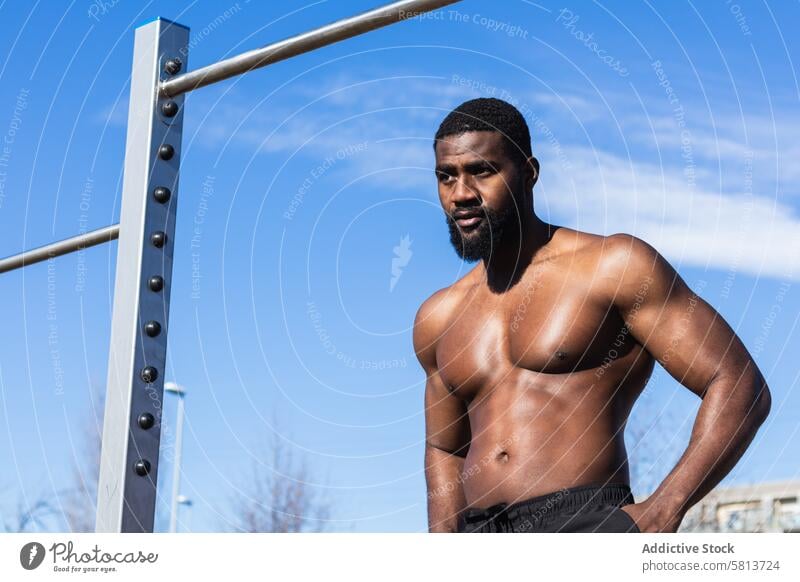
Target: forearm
pixel 446 500
pixel 727 421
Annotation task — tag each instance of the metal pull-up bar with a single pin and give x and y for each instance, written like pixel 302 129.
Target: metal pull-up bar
pixel 126 492
pixel 299 44
pixel 62 247
pixel 227 68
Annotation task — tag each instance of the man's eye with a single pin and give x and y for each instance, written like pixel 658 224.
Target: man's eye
pixel 443 177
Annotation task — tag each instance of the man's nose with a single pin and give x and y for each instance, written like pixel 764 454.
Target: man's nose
pixel 464 192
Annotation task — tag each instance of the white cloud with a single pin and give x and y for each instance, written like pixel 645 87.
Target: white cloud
pixel 697 226
pixel 731 142
pixel 714 222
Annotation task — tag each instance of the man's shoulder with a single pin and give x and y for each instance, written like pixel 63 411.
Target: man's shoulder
pixel 432 319
pixel 626 266
pixel 611 255
pixel 440 304
pixel 435 310
pixel 611 264
pixel 629 260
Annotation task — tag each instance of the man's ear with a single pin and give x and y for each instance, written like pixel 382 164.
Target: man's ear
pixel 532 169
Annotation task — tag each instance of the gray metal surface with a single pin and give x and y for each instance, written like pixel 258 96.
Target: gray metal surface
pixel 126 500
pixel 62 247
pixel 301 43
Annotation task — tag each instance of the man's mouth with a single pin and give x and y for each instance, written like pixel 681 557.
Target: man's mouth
pixel 468 222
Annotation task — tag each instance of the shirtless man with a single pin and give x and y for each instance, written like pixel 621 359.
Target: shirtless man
pixel 536 356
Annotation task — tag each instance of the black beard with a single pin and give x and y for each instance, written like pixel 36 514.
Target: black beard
pixel 479 242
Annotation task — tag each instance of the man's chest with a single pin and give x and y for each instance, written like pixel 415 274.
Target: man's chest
pixel 542 327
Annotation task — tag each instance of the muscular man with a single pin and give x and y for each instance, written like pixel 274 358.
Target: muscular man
pixel 536 356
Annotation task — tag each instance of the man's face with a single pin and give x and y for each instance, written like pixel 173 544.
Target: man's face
pixel 481 189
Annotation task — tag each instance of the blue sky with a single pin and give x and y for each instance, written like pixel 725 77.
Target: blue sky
pixel 676 122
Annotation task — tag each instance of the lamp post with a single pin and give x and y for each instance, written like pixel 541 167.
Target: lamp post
pixel 177 499
pixel 183 500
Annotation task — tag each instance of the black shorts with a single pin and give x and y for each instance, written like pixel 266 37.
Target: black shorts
pixel 577 509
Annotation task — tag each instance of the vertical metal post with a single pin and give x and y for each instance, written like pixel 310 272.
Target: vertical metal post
pixel 176 476
pixel 126 496
pixel 176 467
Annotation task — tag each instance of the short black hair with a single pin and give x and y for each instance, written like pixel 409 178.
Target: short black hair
pixel 489 114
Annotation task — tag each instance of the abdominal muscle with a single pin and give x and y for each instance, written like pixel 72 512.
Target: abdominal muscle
pixel 531 441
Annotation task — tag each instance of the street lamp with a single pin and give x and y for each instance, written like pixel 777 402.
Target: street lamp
pixel 183 500
pixel 180 392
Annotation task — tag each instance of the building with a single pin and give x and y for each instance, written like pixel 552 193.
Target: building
pixel 761 507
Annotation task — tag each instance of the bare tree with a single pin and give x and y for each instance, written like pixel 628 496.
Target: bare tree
pixel 277 495
pixel 656 447
pixel 28 515
pixel 79 500
pixel 74 504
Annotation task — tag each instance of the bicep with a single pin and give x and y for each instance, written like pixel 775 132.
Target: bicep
pixel 688 338
pixel 674 324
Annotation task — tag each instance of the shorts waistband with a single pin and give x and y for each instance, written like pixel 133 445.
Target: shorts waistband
pixel 569 499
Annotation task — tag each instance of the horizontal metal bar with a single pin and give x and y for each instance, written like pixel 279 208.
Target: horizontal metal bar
pixel 62 247
pixel 299 44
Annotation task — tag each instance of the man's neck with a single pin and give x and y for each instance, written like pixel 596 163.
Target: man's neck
pixel 514 253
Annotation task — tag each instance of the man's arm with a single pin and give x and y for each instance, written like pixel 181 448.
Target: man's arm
pixel 698 348
pixel 447 432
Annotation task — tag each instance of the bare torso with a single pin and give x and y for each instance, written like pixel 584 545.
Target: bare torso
pixel 549 374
